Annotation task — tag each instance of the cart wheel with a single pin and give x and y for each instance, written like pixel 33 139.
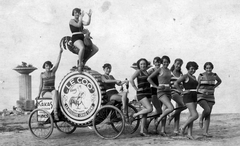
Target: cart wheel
pixel 40 123
pixel 108 122
pixel 131 128
pixel 65 127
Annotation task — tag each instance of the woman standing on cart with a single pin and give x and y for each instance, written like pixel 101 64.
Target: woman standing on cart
pixel 76 26
pixel 143 93
pixel 47 82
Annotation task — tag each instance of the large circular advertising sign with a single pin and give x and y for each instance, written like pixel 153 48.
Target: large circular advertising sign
pixel 80 97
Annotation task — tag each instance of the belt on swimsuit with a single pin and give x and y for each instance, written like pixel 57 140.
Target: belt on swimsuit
pixel 110 89
pixel 167 85
pixel 77 33
pixel 195 90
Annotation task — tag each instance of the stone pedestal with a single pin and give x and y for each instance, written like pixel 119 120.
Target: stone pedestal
pixel 25 87
pixel 25 101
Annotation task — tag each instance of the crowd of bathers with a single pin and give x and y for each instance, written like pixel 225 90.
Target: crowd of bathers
pixel 157 86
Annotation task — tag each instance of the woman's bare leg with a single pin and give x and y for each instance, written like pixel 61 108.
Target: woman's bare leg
pixel 79 44
pixel 206 114
pixel 55 104
pixel 192 117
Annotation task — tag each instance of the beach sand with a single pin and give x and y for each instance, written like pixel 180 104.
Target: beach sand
pixel 225 129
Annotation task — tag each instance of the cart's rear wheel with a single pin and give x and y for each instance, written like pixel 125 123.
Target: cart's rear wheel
pixel 108 122
pixel 131 128
pixel 40 123
pixel 65 127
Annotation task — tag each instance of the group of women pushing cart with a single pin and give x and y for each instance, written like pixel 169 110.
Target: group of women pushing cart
pixel 155 88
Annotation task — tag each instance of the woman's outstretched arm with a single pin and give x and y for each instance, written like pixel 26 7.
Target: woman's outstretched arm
pixel 58 61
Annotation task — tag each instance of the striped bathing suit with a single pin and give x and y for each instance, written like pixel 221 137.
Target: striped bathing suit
pixel 206 87
pixel 48 83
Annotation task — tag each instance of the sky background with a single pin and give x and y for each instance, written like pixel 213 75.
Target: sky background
pixel 124 31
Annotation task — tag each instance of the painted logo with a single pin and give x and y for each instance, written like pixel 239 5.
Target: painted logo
pixel 79 97
pixel 46 104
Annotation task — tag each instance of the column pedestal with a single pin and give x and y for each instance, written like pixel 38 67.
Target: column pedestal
pixel 25 101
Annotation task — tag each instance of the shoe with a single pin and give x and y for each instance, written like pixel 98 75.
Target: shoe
pixel 144 134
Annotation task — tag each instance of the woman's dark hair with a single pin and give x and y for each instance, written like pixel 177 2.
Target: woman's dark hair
pixel 138 62
pixel 158 59
pixel 192 64
pixel 208 63
pixel 77 10
pixel 49 63
pixel 173 66
pixel 107 65
pixel 167 58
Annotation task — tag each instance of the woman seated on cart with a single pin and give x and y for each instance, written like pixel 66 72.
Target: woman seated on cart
pixel 47 82
pixel 109 83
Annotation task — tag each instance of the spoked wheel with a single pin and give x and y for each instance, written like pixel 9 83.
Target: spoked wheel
pixel 131 128
pixel 108 122
pixel 40 123
pixel 65 127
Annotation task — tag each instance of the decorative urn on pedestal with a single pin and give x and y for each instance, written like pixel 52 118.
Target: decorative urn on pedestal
pixel 25 101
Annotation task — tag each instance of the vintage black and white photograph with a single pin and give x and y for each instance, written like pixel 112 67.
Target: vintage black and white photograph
pixel 119 72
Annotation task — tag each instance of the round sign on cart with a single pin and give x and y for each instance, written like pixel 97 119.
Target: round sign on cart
pixel 80 97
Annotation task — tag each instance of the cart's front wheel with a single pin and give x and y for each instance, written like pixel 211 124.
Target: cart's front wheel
pixel 65 127
pixel 40 123
pixel 108 122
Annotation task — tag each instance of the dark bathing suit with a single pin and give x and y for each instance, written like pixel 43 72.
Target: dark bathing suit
pixel 192 95
pixel 145 85
pixel 110 87
pixel 76 36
